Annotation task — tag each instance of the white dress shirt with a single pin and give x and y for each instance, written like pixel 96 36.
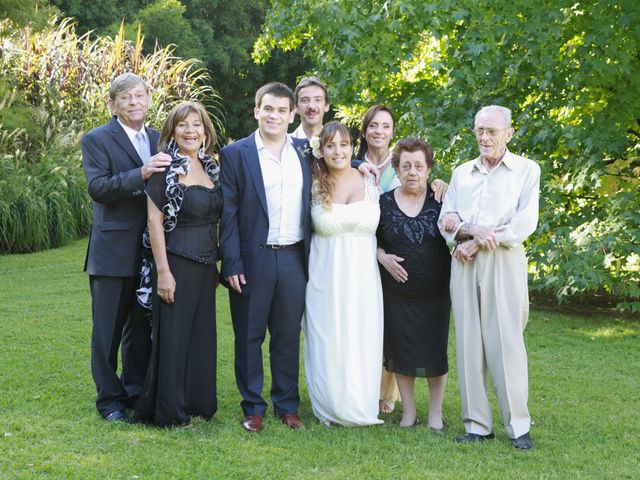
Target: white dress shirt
pixel 299 133
pixel 131 133
pixel 283 187
pixel 506 195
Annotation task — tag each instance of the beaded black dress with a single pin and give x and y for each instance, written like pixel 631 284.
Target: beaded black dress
pixel 416 313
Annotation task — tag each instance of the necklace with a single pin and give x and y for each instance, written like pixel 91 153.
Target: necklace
pixel 382 165
pixel 417 202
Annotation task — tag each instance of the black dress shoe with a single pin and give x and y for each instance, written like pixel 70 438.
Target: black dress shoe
pixel 523 442
pixel 116 416
pixel 474 437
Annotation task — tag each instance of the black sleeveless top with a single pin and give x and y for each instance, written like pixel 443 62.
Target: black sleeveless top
pixel 417 240
pixel 196 233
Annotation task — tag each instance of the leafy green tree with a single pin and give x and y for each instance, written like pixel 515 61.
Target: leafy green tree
pixel 570 71
pixel 26 12
pixel 228 30
pixel 163 22
pixel 99 16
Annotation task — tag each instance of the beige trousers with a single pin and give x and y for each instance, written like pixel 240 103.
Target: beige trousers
pixel 490 308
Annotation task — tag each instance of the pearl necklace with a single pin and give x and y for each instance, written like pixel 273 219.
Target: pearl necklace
pixel 382 165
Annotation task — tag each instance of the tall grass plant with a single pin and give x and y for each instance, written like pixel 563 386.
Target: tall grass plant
pixel 54 89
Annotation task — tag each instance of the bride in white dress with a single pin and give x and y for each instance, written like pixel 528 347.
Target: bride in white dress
pixel 343 321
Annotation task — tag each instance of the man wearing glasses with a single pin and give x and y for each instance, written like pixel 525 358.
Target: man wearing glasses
pixel 495 199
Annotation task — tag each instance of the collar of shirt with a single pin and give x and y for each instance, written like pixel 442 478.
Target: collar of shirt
pixel 506 160
pixel 131 133
pixel 260 144
pixel 299 133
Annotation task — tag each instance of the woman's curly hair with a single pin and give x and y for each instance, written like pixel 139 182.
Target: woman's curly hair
pixel 323 187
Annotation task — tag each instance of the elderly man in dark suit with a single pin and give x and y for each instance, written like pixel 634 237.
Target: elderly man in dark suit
pixel 118 158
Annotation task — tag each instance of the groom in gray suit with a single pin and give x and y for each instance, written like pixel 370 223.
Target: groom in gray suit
pixel 118 158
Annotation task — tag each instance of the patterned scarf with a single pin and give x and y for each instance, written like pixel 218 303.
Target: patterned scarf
pixel 175 196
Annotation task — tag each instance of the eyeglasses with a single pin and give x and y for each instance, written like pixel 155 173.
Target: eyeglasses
pixel 491 132
pixel 406 167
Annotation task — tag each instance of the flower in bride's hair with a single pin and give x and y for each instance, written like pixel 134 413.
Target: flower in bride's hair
pixel 314 142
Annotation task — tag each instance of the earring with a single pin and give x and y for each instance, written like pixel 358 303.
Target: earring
pixel 201 153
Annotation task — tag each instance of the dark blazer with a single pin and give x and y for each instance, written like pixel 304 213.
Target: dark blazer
pixel 112 168
pixel 245 220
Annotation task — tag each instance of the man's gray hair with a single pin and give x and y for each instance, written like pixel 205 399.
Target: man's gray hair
pixel 504 111
pixel 125 82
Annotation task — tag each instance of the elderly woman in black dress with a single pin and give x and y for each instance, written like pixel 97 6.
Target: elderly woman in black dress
pixel 376 134
pixel 415 266
pixel 183 207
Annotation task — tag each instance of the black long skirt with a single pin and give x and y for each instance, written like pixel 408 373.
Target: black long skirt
pixel 416 337
pixel 181 378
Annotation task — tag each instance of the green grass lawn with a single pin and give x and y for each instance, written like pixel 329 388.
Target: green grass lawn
pixel 584 387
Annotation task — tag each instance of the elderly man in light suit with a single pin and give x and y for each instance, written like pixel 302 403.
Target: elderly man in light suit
pixel 490 209
pixel 118 158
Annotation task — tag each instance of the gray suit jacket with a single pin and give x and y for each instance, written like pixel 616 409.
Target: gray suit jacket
pixel 112 168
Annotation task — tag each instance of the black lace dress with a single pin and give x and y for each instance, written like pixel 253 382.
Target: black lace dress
pixel 416 313
pixel 181 379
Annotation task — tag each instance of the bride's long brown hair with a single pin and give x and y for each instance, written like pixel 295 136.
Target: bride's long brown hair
pixel 323 187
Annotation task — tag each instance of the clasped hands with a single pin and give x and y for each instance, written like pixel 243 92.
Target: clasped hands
pixel 482 238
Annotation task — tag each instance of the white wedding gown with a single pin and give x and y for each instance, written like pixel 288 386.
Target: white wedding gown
pixel 343 321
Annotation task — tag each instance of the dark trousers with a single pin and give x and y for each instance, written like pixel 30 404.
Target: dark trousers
pixel 117 318
pixel 276 303
pixel 181 379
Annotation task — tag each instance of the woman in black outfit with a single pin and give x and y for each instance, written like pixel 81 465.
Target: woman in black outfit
pixel 415 266
pixel 184 206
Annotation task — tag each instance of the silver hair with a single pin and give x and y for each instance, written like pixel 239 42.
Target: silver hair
pixel 126 82
pixel 504 111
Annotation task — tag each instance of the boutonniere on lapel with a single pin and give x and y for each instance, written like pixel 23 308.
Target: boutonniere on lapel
pixel 304 150
pixel 314 143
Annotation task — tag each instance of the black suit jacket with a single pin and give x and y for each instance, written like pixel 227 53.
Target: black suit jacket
pixel 112 168
pixel 244 226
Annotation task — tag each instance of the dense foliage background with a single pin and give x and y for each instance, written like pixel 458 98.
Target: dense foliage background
pixel 569 70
